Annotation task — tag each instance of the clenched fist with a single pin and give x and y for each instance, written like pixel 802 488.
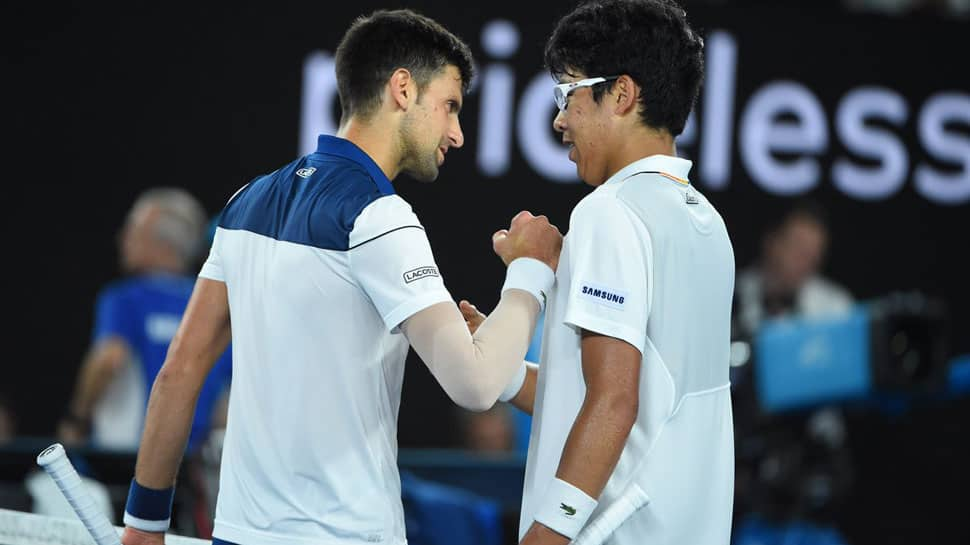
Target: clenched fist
pixel 529 236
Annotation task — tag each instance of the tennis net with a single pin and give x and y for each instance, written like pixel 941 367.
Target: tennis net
pixel 19 528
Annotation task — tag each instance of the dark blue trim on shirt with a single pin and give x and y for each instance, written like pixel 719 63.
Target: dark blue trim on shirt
pixel 332 145
pixel 314 200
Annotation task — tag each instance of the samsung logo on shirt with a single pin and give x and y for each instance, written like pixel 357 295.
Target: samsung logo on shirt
pixel 599 294
pixel 419 273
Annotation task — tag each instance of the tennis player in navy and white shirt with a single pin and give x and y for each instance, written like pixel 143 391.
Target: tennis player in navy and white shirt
pixel 322 244
pixel 321 276
pixel 345 256
pixel 325 269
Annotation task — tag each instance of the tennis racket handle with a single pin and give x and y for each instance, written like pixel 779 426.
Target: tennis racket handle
pixel 55 462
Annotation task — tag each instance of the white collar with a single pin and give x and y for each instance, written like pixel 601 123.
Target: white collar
pixel 672 166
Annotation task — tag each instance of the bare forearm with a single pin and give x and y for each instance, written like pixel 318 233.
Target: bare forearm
pixel 168 423
pixel 611 370
pixel 589 456
pixel 201 338
pixel 595 443
pixel 526 398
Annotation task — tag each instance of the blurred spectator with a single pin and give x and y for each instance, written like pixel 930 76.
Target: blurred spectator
pixel 135 319
pixel 793 469
pixel 490 431
pixel 787 280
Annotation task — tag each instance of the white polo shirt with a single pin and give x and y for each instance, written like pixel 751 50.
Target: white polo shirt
pixel 322 262
pixel 647 260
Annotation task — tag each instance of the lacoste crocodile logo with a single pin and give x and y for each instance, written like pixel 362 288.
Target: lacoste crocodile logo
pixel 570 511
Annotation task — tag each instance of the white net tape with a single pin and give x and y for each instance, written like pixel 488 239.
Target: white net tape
pixel 18 528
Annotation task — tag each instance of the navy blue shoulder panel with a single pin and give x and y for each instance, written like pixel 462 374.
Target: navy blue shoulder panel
pixel 312 201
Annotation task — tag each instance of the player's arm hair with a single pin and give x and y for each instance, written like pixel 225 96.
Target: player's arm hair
pixel 611 368
pixel 202 337
pixel 101 365
pixel 526 398
pixel 474 369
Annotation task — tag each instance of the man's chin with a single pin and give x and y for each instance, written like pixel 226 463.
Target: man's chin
pixel 427 174
pixel 593 181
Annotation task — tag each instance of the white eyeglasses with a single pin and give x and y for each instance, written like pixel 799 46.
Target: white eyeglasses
pixel 562 91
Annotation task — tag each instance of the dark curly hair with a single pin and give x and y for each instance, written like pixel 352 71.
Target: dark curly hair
pixel 649 40
pixel 378 44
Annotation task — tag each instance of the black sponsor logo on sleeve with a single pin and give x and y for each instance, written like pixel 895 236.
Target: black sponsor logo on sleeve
pixel 419 273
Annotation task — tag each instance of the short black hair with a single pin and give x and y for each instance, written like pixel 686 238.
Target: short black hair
pixel 649 40
pixel 378 44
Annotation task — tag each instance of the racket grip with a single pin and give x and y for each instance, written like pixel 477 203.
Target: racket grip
pixel 55 462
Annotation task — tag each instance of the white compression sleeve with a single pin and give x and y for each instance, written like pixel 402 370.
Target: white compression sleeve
pixel 474 370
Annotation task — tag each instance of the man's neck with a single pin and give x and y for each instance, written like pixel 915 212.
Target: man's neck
pixel 372 137
pixel 639 143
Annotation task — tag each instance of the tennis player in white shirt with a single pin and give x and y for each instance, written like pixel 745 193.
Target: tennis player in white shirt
pixel 631 401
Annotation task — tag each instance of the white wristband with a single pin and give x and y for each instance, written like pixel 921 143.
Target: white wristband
pixel 146 525
pixel 514 385
pixel 531 275
pixel 565 508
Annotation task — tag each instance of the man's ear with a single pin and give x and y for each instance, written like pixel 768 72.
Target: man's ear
pixel 625 94
pixel 402 88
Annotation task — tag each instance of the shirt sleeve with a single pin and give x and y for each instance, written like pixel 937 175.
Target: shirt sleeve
pixel 609 260
pixel 212 268
pixel 391 259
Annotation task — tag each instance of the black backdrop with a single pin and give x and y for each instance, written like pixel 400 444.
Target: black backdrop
pixel 103 102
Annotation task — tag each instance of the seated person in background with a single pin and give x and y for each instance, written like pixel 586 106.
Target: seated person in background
pixel 135 319
pixel 491 431
pixel 780 455
pixel 787 280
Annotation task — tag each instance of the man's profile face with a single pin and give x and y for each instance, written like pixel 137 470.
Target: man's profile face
pixel 584 130
pixel 430 128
